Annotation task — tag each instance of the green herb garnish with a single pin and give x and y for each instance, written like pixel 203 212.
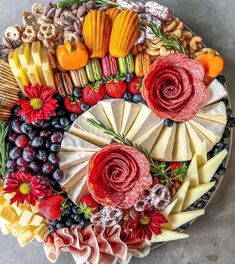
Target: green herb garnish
pixel 67 3
pixel 160 170
pixel 4 150
pixel 170 42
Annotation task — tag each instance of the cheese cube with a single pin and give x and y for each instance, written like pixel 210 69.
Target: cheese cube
pixel 25 238
pixel 34 209
pixel 25 218
pixel 7 215
pixel 16 229
pixel 5 230
pixel 36 220
pixel 41 232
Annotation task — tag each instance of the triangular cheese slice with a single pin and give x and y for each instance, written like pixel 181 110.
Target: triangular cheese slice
pixel 182 150
pixel 208 170
pixel 79 190
pixel 215 112
pixel 163 147
pixel 130 113
pixel 114 109
pixel 148 139
pixel 179 219
pixel 73 175
pixel 192 173
pixel 74 143
pixel 99 114
pixel 83 129
pixel 144 121
pixel 197 192
pixel 69 159
pixel 201 154
pixel 215 92
pixel 168 235
pixel 167 211
pixel 180 196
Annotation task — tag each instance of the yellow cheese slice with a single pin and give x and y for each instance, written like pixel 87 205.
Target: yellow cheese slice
pixel 179 219
pixel 167 211
pixel 182 150
pixel 47 71
pixel 180 196
pixel 197 192
pixel 168 235
pixel 192 173
pixel 33 73
pixel 208 170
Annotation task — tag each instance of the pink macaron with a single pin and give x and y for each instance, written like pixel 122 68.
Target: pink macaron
pixel 109 66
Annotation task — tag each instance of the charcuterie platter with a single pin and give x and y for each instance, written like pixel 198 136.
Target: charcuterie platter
pixel 115 128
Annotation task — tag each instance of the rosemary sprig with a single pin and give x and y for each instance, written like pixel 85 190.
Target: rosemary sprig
pixel 170 42
pixel 4 149
pixel 160 170
pixel 67 3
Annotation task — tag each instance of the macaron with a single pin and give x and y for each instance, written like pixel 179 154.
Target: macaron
pixel 79 77
pixel 109 66
pixel 93 70
pixel 126 64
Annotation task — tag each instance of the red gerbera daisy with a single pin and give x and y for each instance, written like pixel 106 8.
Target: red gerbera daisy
pixel 40 104
pixel 26 188
pixel 146 223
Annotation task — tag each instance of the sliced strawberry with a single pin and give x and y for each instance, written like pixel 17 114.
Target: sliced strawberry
pixel 92 95
pixel 116 89
pixel 88 206
pixel 73 105
pixel 51 208
pixel 135 85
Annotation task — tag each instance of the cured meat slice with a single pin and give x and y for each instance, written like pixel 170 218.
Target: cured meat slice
pixel 118 175
pixel 173 87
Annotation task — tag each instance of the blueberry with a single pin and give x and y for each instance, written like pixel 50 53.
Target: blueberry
pixel 47 168
pixel 201 204
pixel 45 133
pixel 226 133
pixel 73 117
pixel 127 97
pixel 82 222
pixel 221 79
pixel 54 147
pixel 41 155
pixel 56 137
pixel 220 144
pixel 226 146
pixel 55 121
pixel 226 101
pixel 192 208
pixel 59 98
pixel 60 225
pixel 37 142
pixel 221 170
pixel 129 77
pixel 74 209
pixel 16 110
pixel 35 167
pixel 53 222
pixel 137 98
pixel 85 107
pixel 64 121
pixel 46 124
pixel 86 223
pixel 38 123
pixel 77 93
pixel 22 96
pixel 212 189
pixel 26 128
pixel 15 153
pixel 61 112
pixel 52 228
pixel 53 158
pixel 215 179
pixel 231 122
pixel 185 226
pixel 69 222
pixel 229 112
pixel 168 122
pixel 77 218
pixel 16 126
pixel 215 151
pixel 57 175
pixel 66 212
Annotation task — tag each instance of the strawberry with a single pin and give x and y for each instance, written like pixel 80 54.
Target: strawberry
pixel 135 85
pixel 88 206
pixel 116 89
pixel 51 207
pixel 73 105
pixel 174 165
pixel 93 94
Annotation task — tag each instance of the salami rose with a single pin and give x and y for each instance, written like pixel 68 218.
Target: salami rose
pixel 173 87
pixel 118 176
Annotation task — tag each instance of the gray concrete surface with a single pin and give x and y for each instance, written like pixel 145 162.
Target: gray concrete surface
pixel 212 237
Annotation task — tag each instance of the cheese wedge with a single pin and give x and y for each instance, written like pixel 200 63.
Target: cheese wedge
pixel 47 71
pixel 130 113
pixel 179 219
pixel 168 235
pixel 113 109
pixel 148 139
pixel 73 175
pixel 83 129
pixel 192 173
pixel 36 51
pixel 74 143
pixel 182 150
pixel 215 92
pixel 33 73
pixel 215 112
pixel 167 211
pixel 180 196
pixel 98 112
pixel 72 158
pixel 208 170
pixel 197 192
pixel 201 154
pixel 163 147
pixel 144 121
pixel 79 190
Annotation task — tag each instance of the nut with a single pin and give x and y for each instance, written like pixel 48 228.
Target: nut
pixel 37 9
pixel 153 52
pixel 29 19
pixel 12 34
pixel 163 51
pixel 78 28
pixel 48 31
pixel 195 43
pixel 51 13
pixel 29 34
pixel 58 12
pixel 170 27
pixel 202 51
pixel 177 33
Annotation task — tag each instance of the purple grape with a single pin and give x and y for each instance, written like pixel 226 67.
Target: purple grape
pixel 34 166
pixel 26 128
pixel 56 137
pixel 12 136
pixel 57 175
pixel 54 147
pixel 45 133
pixel 53 158
pixel 37 142
pixel 21 162
pixel 41 155
pixel 15 153
pixel 48 168
pixel 29 154
pixel 11 164
pixel 33 134
pixel 16 126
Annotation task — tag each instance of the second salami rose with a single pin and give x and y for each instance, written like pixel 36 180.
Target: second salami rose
pixel 118 176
